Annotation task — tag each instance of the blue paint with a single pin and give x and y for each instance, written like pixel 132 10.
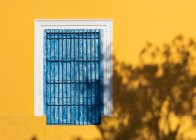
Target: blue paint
pixel 73 76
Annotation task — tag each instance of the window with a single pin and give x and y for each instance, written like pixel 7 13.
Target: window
pixel 73 71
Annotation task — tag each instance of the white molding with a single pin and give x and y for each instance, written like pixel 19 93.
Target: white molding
pixel 41 24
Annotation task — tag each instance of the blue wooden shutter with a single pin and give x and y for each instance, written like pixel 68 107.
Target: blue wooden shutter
pixel 73 76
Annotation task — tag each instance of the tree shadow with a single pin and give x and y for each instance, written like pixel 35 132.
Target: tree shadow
pixel 34 138
pixel 148 95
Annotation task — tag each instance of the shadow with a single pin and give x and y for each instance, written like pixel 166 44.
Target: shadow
pixel 150 97
pixel 77 138
pixel 34 138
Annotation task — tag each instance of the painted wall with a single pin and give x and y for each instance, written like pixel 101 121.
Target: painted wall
pixel 134 23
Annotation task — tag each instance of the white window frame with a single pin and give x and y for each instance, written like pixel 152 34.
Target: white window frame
pixel 40 25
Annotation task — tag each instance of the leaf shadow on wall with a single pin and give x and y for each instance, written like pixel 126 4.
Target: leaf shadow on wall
pixel 152 98
pixel 34 138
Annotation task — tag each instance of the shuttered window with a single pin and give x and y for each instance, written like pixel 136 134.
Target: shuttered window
pixel 73 76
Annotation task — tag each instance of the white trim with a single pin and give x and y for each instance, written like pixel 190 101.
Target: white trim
pixel 40 25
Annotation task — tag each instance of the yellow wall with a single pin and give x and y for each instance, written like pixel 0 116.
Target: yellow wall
pixel 134 23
